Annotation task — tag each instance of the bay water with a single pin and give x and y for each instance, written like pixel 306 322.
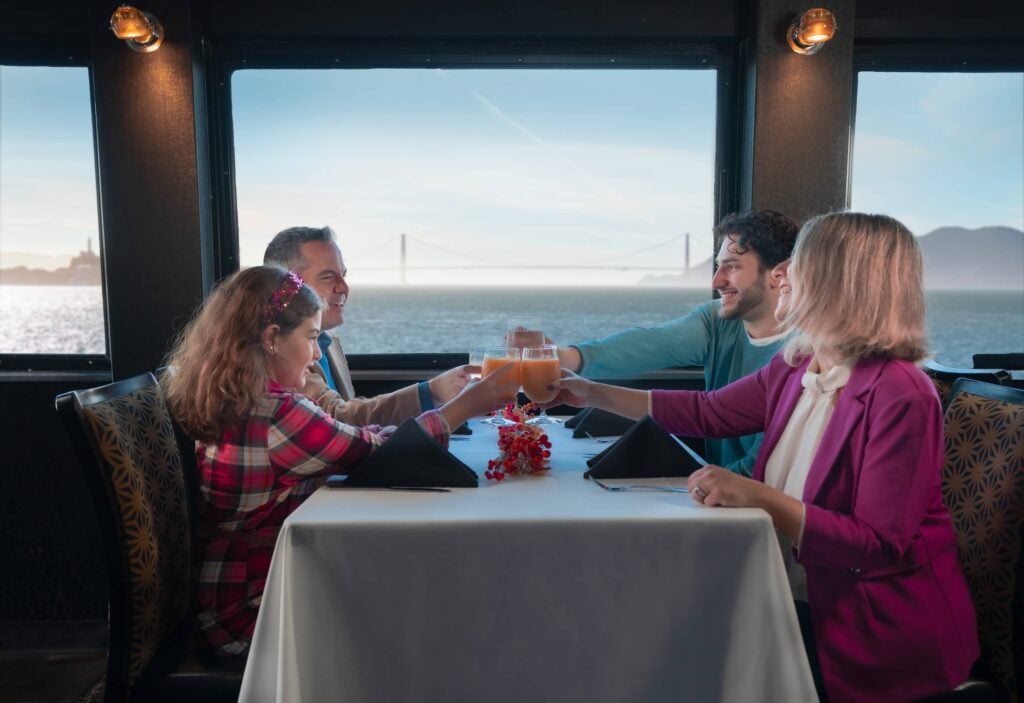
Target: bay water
pixel 402 319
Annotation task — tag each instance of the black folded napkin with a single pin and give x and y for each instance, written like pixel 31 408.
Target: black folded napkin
pixel 646 450
pixel 577 418
pixel 601 423
pixel 411 457
pixel 462 429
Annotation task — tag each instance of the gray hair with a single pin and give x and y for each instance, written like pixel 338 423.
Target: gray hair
pixel 858 289
pixel 285 249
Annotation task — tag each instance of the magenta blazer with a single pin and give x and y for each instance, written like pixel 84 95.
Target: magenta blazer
pixel 891 611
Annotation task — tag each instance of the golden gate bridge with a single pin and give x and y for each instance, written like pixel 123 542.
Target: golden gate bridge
pixel 611 263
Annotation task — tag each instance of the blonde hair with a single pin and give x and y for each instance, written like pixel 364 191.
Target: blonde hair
pixel 858 289
pixel 220 368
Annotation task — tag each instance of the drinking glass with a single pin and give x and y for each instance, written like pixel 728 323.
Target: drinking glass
pixel 476 358
pixel 496 357
pixel 540 369
pixel 525 332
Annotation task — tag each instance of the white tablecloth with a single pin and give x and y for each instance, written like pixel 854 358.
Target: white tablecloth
pixel 540 588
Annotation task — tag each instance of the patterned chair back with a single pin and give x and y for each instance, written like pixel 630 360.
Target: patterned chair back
pixel 983 485
pixel 945 376
pixel 125 442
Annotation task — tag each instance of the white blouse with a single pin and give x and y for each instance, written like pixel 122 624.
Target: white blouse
pixel 790 461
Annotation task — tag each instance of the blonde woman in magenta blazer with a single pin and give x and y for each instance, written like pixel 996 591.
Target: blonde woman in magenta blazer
pixel 891 613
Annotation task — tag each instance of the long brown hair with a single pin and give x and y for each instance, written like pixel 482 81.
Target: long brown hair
pixel 218 366
pixel 861 290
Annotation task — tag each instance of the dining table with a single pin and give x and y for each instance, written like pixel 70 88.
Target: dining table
pixel 534 588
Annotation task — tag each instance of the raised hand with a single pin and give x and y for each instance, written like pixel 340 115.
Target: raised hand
pixel 447 385
pixel 579 392
pixel 493 391
pixel 572 390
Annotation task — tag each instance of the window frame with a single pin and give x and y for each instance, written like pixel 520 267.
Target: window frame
pixel 226 58
pixel 70 52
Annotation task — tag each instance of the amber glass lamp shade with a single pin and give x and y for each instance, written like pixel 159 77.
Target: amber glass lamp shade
pixel 809 32
pixel 140 30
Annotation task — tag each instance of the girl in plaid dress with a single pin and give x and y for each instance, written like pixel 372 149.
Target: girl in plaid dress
pixel 262 448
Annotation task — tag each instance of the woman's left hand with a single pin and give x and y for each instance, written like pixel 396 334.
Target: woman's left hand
pixel 572 390
pixel 713 485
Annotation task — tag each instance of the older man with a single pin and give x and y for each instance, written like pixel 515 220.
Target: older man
pixel 313 253
pixel 730 337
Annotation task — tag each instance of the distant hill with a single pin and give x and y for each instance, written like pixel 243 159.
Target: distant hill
pixel 698 276
pixel 82 270
pixel 46 262
pixel 954 257
pixel 987 257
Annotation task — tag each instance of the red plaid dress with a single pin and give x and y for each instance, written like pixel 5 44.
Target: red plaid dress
pixel 250 482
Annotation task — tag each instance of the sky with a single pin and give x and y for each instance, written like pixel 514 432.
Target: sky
pixel 485 169
pixel 47 166
pixel 480 168
pixel 935 149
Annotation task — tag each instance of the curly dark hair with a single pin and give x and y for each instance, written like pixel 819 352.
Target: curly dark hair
pixel 769 234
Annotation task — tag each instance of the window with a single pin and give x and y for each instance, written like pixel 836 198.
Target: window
pixel 569 195
pixel 51 298
pixel 943 153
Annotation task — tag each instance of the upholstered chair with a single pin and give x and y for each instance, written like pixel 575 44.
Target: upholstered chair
pixel 125 442
pixel 945 376
pixel 983 485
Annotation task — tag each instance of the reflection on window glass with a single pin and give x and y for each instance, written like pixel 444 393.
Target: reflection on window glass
pixel 568 195
pixel 943 152
pixel 51 300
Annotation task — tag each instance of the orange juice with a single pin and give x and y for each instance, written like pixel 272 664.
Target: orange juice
pixel 492 364
pixel 538 374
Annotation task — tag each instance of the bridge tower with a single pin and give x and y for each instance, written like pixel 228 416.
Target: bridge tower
pixel 401 265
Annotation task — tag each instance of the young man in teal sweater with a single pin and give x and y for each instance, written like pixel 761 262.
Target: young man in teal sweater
pixel 730 337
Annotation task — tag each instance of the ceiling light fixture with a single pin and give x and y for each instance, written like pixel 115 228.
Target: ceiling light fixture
pixel 809 31
pixel 140 30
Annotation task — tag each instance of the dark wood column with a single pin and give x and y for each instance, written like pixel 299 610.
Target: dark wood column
pixel 798 114
pixel 153 182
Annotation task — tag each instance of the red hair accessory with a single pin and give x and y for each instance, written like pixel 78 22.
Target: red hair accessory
pixel 284 294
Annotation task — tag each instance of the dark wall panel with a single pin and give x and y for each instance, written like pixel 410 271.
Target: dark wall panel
pixel 799 112
pixel 57 18
pixel 152 214
pixel 454 18
pixel 49 540
pixel 940 20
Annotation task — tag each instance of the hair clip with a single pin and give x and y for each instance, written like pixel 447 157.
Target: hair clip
pixel 283 295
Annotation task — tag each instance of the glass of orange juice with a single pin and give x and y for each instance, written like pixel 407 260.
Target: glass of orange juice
pixel 496 357
pixel 525 332
pixel 539 370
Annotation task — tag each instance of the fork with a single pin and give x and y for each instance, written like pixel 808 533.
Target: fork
pixel 640 487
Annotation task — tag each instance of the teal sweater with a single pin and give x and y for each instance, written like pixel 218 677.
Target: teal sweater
pixel 701 338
